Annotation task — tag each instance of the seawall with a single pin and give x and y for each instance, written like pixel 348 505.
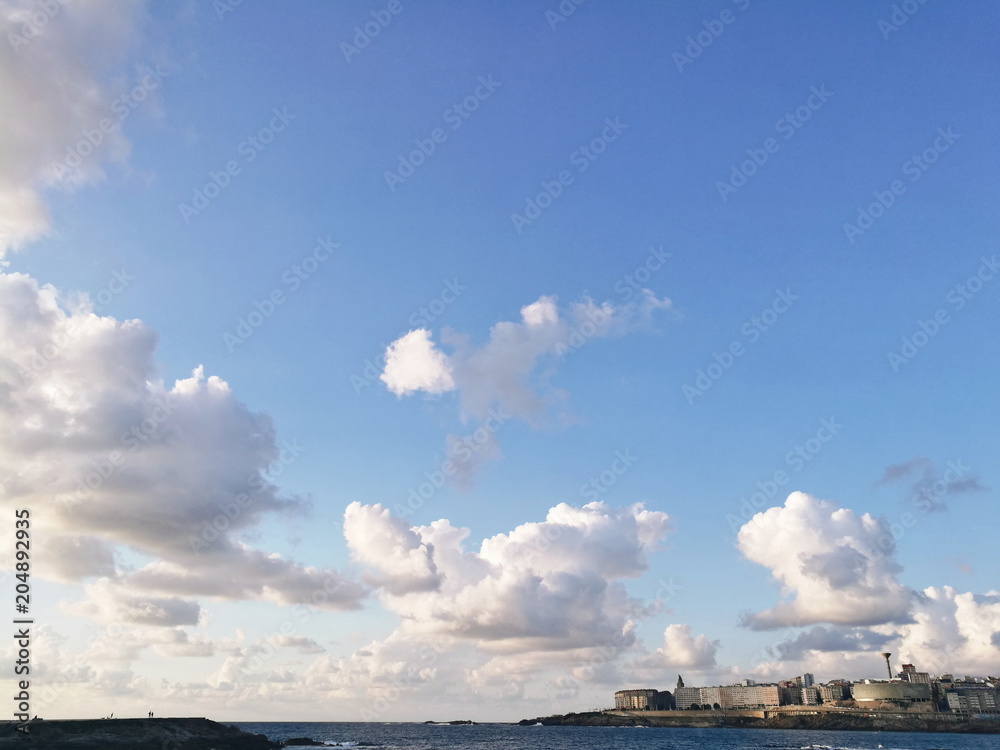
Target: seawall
pixel 869 721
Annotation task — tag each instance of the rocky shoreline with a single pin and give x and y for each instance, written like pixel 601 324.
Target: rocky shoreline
pixel 874 722
pixel 133 734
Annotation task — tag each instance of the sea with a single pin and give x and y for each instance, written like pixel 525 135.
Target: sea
pixel 512 737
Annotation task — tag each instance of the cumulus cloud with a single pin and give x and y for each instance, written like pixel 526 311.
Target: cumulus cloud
pixel 837 567
pixel 412 363
pixel 681 649
pixel 550 585
pixel 948 632
pixel 109 457
pixel 505 371
pixel 953 631
pixel 389 545
pixel 61 78
pixel 538 613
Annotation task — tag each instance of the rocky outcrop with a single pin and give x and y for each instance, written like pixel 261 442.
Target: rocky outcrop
pixel 133 734
pixel 591 719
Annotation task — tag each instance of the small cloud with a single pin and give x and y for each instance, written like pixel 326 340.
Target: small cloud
pixel 413 363
pixel 930 486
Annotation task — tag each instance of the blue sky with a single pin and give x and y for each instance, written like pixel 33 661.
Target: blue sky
pixel 817 110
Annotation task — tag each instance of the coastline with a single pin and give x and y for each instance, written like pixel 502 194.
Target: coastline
pixel 133 734
pixel 873 721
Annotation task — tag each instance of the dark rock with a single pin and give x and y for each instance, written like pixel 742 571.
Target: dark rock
pixel 133 734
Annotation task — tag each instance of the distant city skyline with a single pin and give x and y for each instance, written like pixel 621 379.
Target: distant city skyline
pixel 910 689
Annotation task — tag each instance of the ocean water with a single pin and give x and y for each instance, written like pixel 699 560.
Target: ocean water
pixel 509 737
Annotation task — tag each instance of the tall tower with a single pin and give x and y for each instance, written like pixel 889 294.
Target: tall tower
pixel 887 665
pixel 680 681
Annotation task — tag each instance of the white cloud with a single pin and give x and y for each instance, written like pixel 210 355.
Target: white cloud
pixel 109 457
pixel 536 614
pixel 389 544
pixel 837 567
pixel 949 632
pixel 59 80
pixel 953 632
pixel 412 363
pixel 504 372
pixel 509 374
pixel 109 604
pixel 544 586
pixel 681 650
